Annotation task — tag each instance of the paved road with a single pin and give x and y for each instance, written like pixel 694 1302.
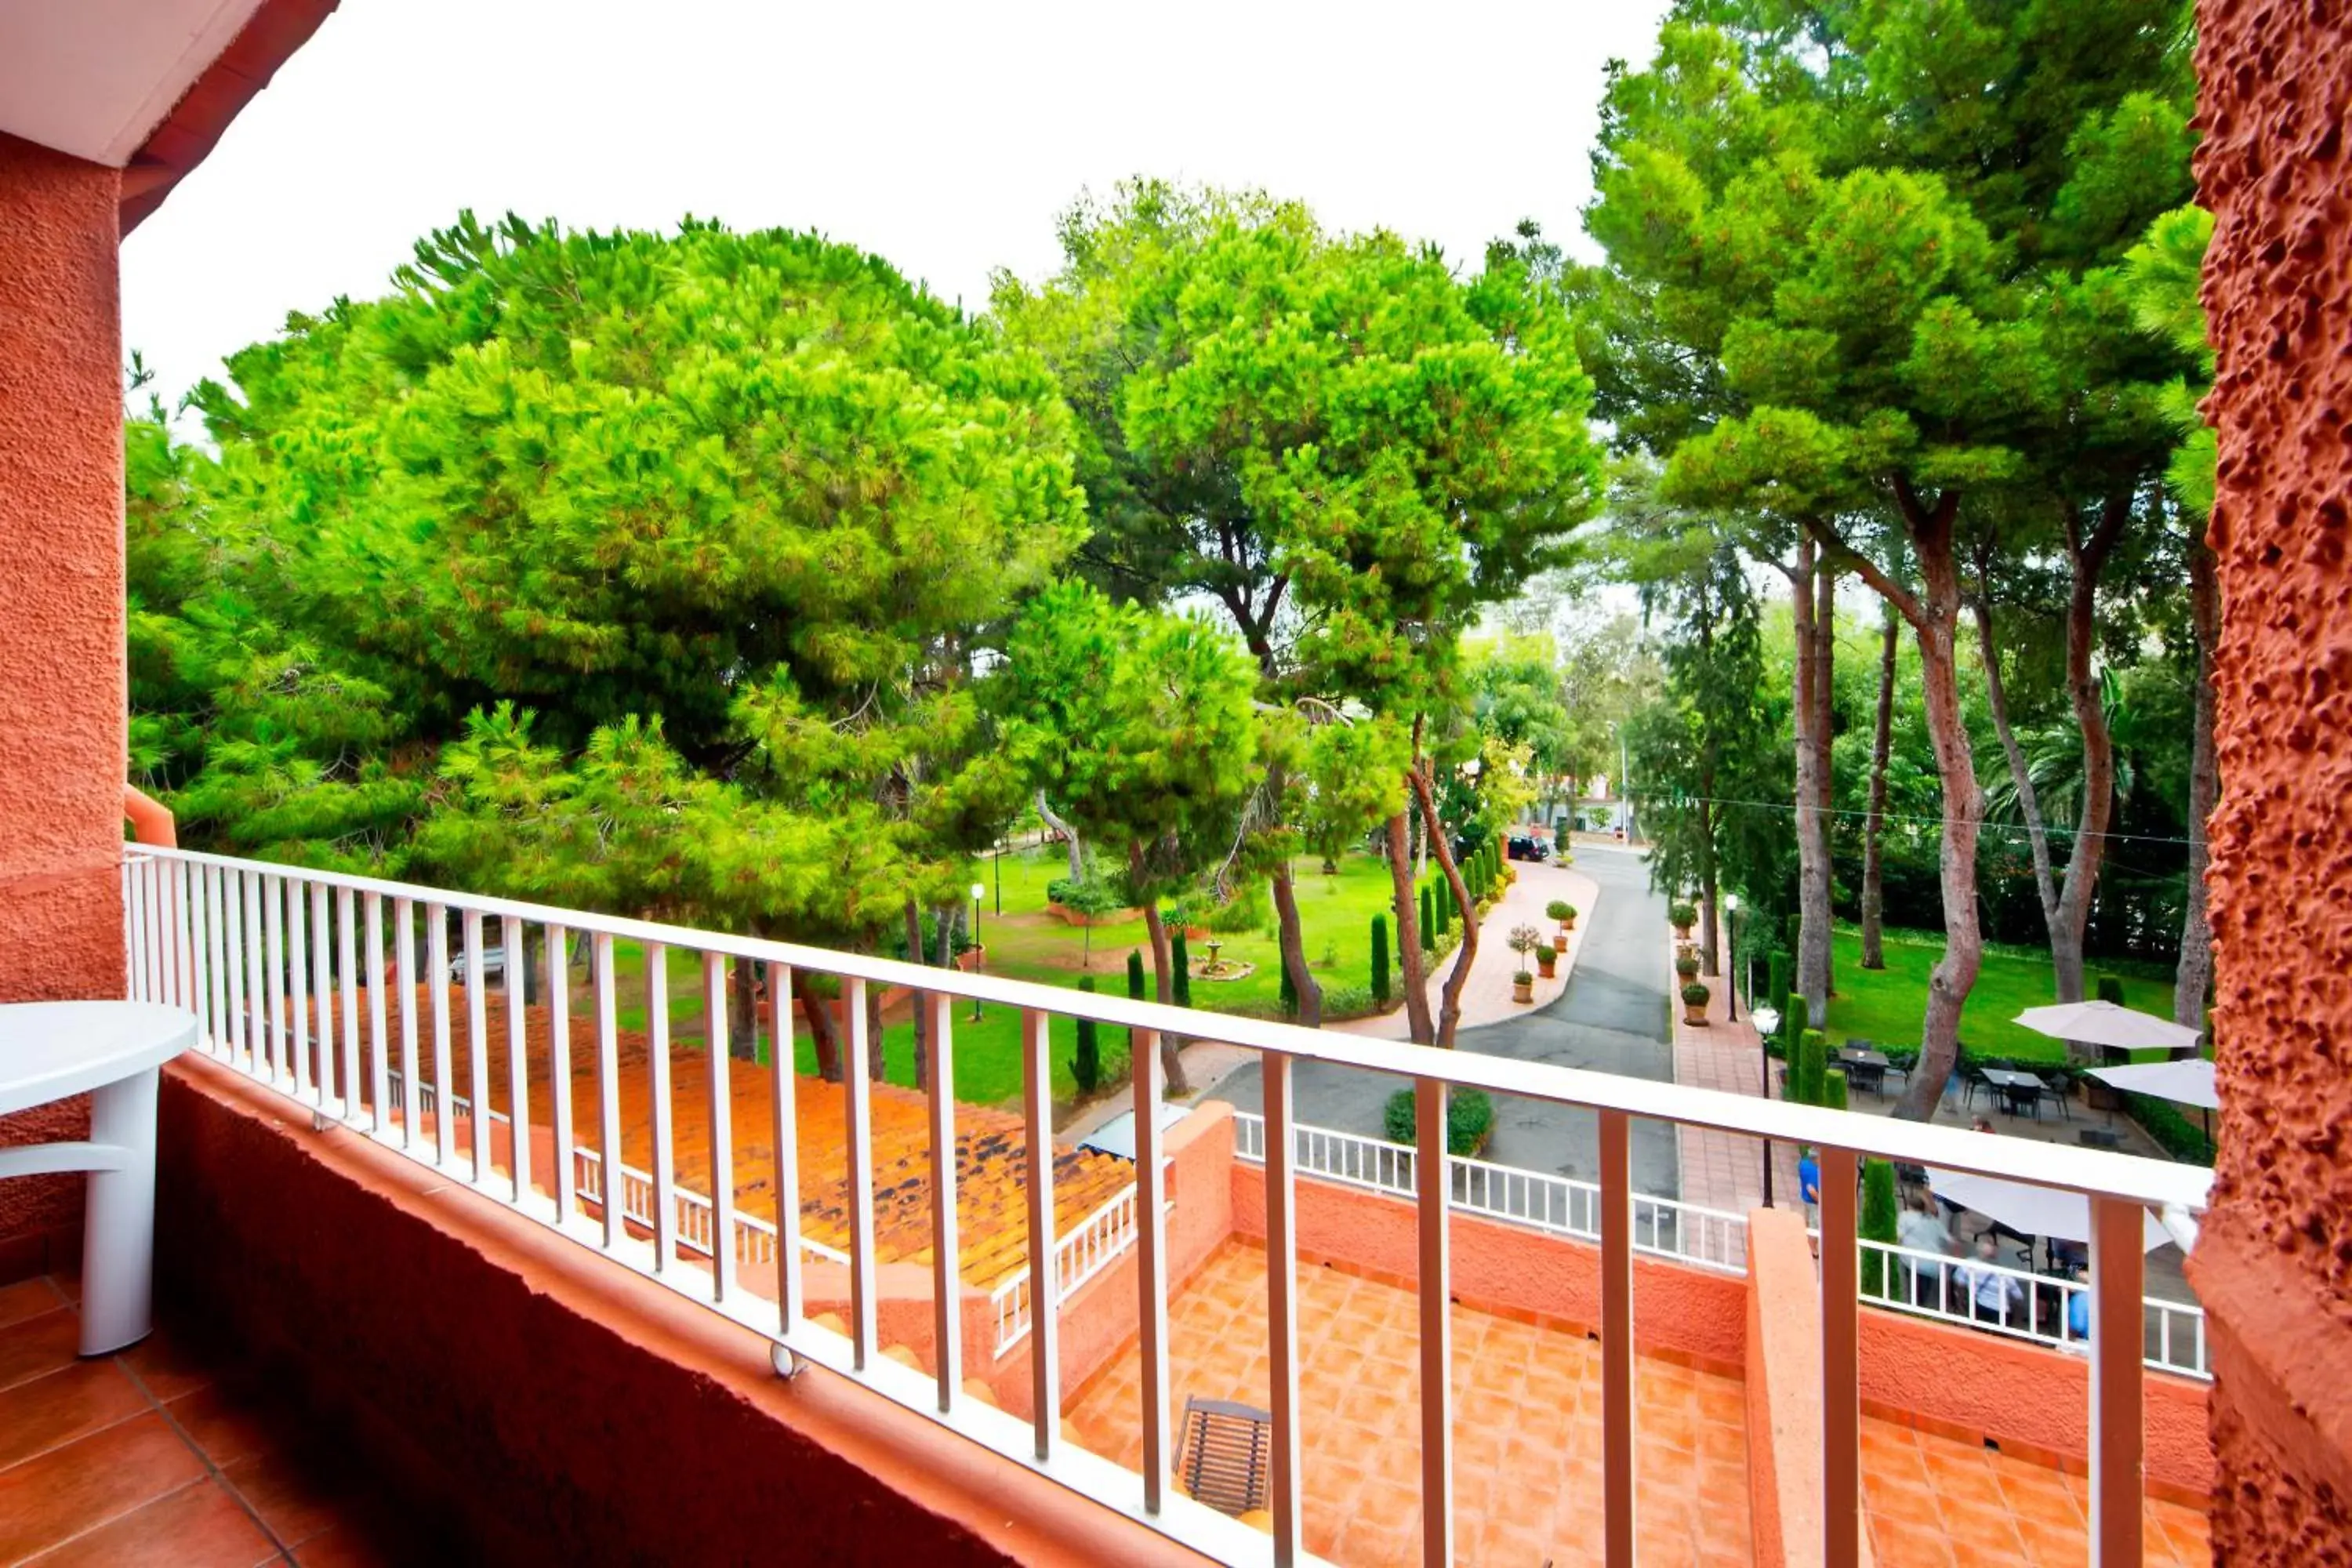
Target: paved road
pixel 1612 1018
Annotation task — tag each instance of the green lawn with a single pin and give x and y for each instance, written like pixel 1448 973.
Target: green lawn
pixel 1888 1005
pixel 1025 942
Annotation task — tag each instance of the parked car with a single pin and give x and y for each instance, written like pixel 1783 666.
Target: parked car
pixel 1527 847
pixel 494 966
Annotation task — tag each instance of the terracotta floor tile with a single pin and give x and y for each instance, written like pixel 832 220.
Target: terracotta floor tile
pixel 294 1501
pixel 69 1490
pixel 68 1403
pixel 1981 1532
pixel 1897 1543
pixel 224 1421
pixel 1906 1502
pixel 28 1299
pixel 166 1367
pixel 199 1526
pixel 37 1346
pixel 1964 1481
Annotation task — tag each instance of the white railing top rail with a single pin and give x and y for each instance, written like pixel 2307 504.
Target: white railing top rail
pixel 2091 1171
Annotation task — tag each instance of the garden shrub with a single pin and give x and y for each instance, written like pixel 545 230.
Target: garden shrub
pixel 1469 1120
pixel 2111 989
pixel 1380 960
pixel 1833 1088
pixel 1135 975
pixel 1428 923
pixel 1880 1212
pixel 1251 907
pixel 1811 1067
pixel 1444 890
pixel 1181 960
pixel 2182 1135
pixel 1559 909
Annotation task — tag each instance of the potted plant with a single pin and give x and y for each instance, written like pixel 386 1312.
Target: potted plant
pixel 1524 940
pixel 1682 917
pixel 1564 912
pixel 1546 959
pixel 1687 966
pixel 1695 997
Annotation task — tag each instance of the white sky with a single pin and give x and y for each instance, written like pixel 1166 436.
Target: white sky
pixel 944 138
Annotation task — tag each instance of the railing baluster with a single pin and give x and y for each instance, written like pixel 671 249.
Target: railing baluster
pixel 436 959
pixel 347 941
pixel 379 1039
pixel 665 1172
pixel 1841 1523
pixel 477 1049
pixel 614 1200
pixel 788 1299
pixel 514 942
pixel 184 928
pixel 947 1251
pixel 298 983
pixel 322 990
pixel 857 1113
pixel 273 914
pixel 404 964
pixel 2118 1343
pixel 133 988
pixel 245 969
pixel 1151 1267
pixel 558 1067
pixel 200 956
pixel 216 942
pixel 715 1044
pixel 1044 1294
pixel 1616 1204
pixel 1282 1306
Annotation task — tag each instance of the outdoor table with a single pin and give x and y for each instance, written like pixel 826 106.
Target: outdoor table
pixel 2007 1082
pixel 114 1052
pixel 1873 1066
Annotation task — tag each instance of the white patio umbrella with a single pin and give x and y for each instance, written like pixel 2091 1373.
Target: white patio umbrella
pixel 2189 1082
pixel 2050 1213
pixel 2105 1023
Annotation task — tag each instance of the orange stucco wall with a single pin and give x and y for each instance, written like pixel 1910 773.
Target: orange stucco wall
pixel 1785 1471
pixel 61 622
pixel 2275 1264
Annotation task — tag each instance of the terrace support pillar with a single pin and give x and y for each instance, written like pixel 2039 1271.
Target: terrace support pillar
pixel 62 686
pixel 2273 1266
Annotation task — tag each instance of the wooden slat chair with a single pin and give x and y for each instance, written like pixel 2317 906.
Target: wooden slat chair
pixel 1224 1453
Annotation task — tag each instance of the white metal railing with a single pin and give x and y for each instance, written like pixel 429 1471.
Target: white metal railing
pixel 1689 1233
pixel 2022 1304
pixel 1087 1251
pixel 1663 1227
pixel 287 972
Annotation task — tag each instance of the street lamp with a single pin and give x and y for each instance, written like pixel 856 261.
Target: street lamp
pixel 1731 909
pixel 979 892
pixel 1767 1019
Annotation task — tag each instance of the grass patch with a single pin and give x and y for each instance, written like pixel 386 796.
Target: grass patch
pixel 1890 1005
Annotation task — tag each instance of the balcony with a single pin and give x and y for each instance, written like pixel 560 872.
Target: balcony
pixel 1501 1366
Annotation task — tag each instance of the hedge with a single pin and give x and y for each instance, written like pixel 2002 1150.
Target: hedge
pixel 1469 1120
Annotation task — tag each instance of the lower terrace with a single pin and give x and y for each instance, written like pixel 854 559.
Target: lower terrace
pixel 1969 1445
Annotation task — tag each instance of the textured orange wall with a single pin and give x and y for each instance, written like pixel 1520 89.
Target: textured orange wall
pixel 62 677
pixel 2275 1264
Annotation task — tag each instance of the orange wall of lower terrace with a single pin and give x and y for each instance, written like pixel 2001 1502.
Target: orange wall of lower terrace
pixel 61 622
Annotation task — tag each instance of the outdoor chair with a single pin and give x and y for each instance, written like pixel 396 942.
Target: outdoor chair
pixel 2018 1100
pixel 1223 1454
pixel 1971 1079
pixel 2057 1092
pixel 1868 1078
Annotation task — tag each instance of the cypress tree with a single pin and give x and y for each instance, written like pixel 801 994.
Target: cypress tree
pixel 1181 963
pixel 1134 975
pixel 1379 960
pixel 1811 1068
pixel 1086 1066
pixel 1288 992
pixel 1444 904
pixel 1878 1223
pixel 1428 923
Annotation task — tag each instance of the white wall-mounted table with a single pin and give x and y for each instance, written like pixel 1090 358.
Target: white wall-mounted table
pixel 114 1051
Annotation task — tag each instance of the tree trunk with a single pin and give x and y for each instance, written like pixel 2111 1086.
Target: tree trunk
pixel 1449 1013
pixel 2029 804
pixel 1163 979
pixel 1933 614
pixel 1813 975
pixel 1408 924
pixel 1293 949
pixel 1874 876
pixel 923 1013
pixel 1069 836
pixel 874 1065
pixel 821 1035
pixel 2089 559
pixel 2195 974
pixel 1824 735
pixel 1420 842
pixel 743 1010
pixel 1710 950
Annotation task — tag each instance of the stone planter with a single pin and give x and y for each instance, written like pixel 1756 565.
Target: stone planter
pixel 1522 990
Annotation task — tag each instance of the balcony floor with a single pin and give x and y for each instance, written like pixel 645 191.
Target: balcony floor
pixel 162 1454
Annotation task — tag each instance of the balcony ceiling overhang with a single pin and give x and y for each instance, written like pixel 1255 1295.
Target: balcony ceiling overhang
pixel 143 86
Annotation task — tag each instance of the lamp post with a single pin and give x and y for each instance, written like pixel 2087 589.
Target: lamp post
pixel 1766 1019
pixel 979 892
pixel 1731 1001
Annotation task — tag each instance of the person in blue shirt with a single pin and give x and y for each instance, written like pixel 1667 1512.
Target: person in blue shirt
pixel 2078 1308
pixel 1808 1183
